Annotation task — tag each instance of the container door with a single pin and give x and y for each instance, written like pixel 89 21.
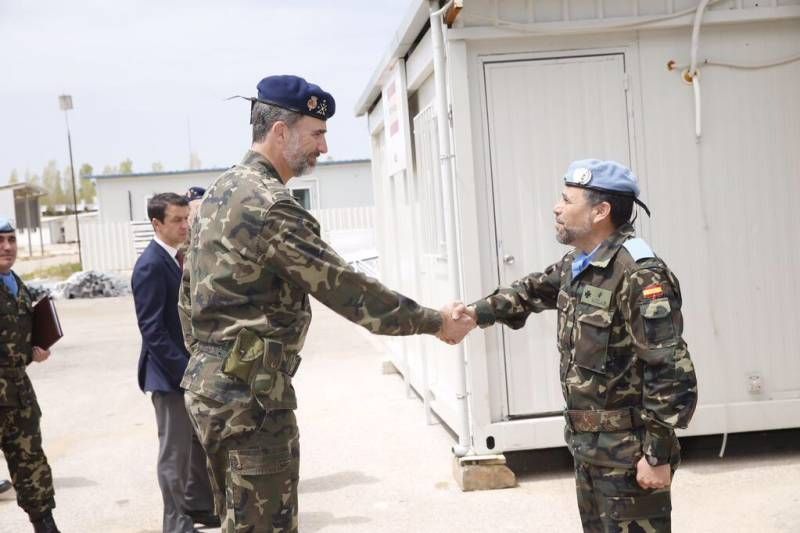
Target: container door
pixel 542 114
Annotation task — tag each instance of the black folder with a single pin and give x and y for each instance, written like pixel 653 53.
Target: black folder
pixel 46 326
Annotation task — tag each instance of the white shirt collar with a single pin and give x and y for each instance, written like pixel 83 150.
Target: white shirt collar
pixel 170 250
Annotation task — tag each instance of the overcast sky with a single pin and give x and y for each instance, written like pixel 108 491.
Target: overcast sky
pixel 138 70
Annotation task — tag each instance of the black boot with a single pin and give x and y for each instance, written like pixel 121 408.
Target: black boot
pixel 204 518
pixel 45 524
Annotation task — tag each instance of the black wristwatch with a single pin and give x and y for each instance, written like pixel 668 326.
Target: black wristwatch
pixel 655 461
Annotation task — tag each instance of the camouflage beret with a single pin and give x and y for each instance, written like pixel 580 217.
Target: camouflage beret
pixel 296 94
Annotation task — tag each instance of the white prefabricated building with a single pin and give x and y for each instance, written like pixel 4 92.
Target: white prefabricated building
pixel 332 185
pixel 474 120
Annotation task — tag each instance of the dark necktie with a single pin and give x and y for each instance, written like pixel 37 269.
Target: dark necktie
pixel 179 257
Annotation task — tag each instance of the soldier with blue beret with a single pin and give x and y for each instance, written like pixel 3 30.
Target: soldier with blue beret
pixel 604 176
pixel 20 431
pixel 626 374
pixel 254 258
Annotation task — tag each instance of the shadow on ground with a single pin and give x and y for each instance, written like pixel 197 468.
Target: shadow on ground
pixel 743 450
pixel 72 482
pixel 335 481
pixel 313 522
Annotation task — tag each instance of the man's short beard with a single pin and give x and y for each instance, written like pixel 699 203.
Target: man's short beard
pixel 564 236
pixel 298 162
pixel 569 236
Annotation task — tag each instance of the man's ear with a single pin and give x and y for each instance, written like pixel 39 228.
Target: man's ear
pixel 602 211
pixel 279 131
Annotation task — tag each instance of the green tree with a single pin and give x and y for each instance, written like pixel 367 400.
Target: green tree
pixel 33 179
pixel 126 167
pixel 87 188
pixel 68 198
pixel 158 167
pixel 110 169
pixel 51 181
pixel 13 178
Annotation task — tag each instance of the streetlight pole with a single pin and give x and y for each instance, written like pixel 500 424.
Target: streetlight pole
pixel 65 103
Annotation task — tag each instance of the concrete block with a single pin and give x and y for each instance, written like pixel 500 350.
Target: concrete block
pixel 483 472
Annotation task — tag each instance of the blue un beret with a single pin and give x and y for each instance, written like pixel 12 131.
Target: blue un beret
pixel 604 176
pixel 6 226
pixel 296 94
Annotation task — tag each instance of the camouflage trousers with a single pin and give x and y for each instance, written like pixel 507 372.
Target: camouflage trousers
pixel 21 442
pixel 253 462
pixel 611 501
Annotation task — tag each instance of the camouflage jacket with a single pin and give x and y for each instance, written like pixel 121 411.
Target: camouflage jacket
pixel 16 352
pixel 620 339
pixel 255 257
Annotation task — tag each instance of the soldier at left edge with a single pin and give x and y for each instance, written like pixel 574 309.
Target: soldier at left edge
pixel 20 415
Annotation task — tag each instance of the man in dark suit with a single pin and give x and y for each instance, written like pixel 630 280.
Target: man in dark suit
pixel 182 474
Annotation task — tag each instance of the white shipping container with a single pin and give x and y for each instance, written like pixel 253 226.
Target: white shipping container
pixel 532 85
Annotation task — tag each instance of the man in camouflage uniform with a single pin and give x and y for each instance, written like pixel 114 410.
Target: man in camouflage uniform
pixel 255 257
pixel 626 374
pixel 20 434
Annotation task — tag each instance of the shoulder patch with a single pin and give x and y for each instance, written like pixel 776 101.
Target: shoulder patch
pixel 639 249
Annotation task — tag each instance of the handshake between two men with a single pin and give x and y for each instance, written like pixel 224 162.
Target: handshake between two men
pixel 457 321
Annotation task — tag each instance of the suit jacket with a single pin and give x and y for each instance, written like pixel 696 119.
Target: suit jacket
pixel 155 282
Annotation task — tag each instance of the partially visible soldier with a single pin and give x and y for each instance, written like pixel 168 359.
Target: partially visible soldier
pixel 20 433
pixel 255 257
pixel 626 374
pixel 194 195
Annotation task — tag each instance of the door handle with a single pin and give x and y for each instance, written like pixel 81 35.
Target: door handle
pixel 508 259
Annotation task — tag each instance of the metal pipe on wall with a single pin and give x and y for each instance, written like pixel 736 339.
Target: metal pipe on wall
pixel 451 208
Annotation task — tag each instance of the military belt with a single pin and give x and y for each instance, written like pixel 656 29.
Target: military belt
pixel 289 364
pixel 599 421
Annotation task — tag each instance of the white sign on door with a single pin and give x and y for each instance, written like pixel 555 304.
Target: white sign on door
pixel 395 118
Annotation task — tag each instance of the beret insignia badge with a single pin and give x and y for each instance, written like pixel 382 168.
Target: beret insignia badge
pixel 312 103
pixel 581 176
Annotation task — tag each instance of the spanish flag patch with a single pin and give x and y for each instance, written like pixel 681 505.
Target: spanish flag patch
pixel 653 291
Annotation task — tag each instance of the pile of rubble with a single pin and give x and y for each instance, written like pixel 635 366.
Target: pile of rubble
pixel 39 289
pixel 89 284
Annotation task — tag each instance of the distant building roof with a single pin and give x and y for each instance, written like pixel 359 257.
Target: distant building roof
pixel 25 187
pixel 207 170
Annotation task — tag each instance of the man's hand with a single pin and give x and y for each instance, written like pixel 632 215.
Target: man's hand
pixel 40 354
pixel 456 323
pixel 652 477
pixel 459 310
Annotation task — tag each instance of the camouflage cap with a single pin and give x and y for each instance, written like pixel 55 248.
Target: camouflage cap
pixel 6 226
pixel 604 176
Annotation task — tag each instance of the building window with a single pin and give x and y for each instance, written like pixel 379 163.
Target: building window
pixel 306 192
pixel 303 196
